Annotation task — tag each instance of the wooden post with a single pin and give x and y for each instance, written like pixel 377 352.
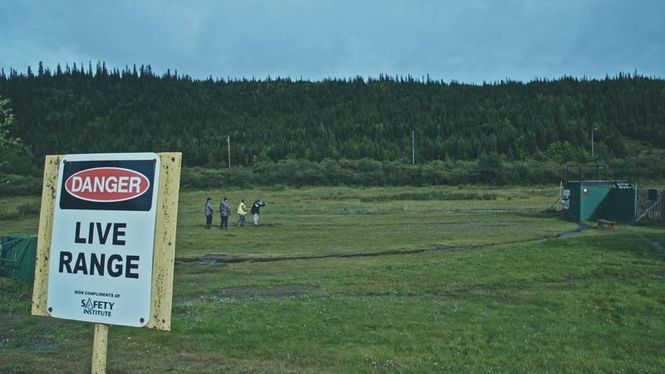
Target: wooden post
pixel 228 147
pixel 165 228
pixel 99 345
pixel 413 147
pixel 49 186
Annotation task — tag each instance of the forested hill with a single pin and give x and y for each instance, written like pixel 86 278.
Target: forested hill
pixel 80 110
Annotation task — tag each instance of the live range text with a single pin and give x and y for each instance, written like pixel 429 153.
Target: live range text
pixel 114 264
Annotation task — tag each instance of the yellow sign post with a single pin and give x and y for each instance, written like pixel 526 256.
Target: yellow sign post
pixel 163 256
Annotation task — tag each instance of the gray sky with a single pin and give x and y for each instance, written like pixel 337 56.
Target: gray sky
pixel 463 40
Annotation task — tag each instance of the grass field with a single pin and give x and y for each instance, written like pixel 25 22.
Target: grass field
pixel 377 280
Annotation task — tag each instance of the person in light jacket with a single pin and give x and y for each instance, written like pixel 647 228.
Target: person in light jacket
pixel 242 212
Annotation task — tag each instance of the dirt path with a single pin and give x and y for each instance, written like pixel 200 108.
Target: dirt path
pixel 214 258
pixel 655 244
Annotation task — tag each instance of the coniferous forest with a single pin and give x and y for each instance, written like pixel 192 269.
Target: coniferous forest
pixel 339 131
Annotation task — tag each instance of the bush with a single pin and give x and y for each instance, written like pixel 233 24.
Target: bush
pixel 367 172
pixel 16 185
pixel 489 169
pixel 20 211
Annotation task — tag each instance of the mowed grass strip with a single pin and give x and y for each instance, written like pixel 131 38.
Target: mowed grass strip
pixel 328 221
pixel 591 302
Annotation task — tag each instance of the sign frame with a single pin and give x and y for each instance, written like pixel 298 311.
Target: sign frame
pixel 164 240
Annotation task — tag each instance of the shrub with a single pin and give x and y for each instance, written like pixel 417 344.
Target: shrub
pixel 15 185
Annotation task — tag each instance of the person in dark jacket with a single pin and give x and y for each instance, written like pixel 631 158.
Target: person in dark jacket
pixel 225 212
pixel 255 210
pixel 208 212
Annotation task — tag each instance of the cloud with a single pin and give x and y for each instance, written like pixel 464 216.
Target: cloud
pixel 472 40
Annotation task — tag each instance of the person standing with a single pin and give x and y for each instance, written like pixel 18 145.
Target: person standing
pixel 208 212
pixel 242 212
pixel 255 210
pixel 225 212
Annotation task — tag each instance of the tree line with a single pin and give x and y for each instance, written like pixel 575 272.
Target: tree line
pixel 81 109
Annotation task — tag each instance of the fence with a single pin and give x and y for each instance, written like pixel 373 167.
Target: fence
pixel 649 205
pixel 17 256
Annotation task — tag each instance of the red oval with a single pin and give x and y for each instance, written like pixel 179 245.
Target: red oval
pixel 107 184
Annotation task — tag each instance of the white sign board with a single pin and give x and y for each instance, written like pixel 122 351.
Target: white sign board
pixel 565 199
pixel 101 255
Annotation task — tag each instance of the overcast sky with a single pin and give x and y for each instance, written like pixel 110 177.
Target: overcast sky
pixel 464 40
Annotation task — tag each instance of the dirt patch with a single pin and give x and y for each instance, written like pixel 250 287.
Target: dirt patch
pixel 656 245
pixel 252 292
pixel 224 259
pixel 581 228
pixel 14 337
pixel 261 292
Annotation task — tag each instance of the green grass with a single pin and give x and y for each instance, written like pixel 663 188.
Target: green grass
pixel 589 302
pixel 19 214
pixel 325 221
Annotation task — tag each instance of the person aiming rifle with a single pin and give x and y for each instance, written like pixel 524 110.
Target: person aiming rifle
pixel 256 207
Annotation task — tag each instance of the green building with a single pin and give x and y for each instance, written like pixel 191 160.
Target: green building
pixel 599 199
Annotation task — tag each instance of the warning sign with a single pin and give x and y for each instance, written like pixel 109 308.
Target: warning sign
pixel 102 246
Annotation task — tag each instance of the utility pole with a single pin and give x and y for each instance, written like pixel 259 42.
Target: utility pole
pixel 228 147
pixel 413 147
pixel 592 146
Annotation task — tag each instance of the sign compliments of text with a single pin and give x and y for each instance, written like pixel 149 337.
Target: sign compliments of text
pixel 101 256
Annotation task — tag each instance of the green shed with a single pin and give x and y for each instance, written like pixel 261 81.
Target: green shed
pixel 17 256
pixel 599 199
